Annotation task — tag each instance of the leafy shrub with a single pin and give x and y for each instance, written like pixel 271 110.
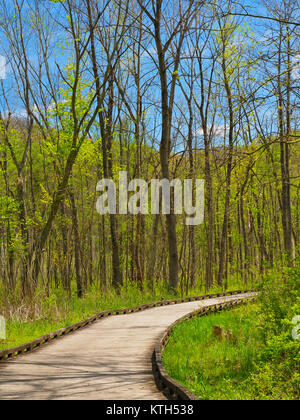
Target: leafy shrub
pixel 278 364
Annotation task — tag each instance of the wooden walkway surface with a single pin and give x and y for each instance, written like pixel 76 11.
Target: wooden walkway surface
pixel 110 360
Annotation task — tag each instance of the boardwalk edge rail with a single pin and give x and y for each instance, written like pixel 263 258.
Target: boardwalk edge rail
pixel 167 385
pixel 34 345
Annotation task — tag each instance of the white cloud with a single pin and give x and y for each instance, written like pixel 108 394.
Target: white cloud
pixel 218 131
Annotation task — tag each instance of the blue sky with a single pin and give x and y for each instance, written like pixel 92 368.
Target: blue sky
pixel 61 54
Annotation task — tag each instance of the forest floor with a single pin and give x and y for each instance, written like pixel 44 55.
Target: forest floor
pixel 110 360
pixel 260 362
pixel 28 321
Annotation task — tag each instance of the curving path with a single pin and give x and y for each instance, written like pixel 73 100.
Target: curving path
pixel 110 360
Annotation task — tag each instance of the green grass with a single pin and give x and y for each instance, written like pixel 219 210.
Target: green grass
pixel 210 368
pixel 28 321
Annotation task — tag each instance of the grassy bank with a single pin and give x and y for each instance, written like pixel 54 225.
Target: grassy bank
pixel 261 361
pixel 209 368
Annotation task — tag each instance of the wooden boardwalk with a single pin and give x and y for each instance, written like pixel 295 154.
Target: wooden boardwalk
pixel 110 360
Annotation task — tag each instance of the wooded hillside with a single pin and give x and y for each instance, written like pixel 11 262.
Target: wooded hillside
pixel 196 89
